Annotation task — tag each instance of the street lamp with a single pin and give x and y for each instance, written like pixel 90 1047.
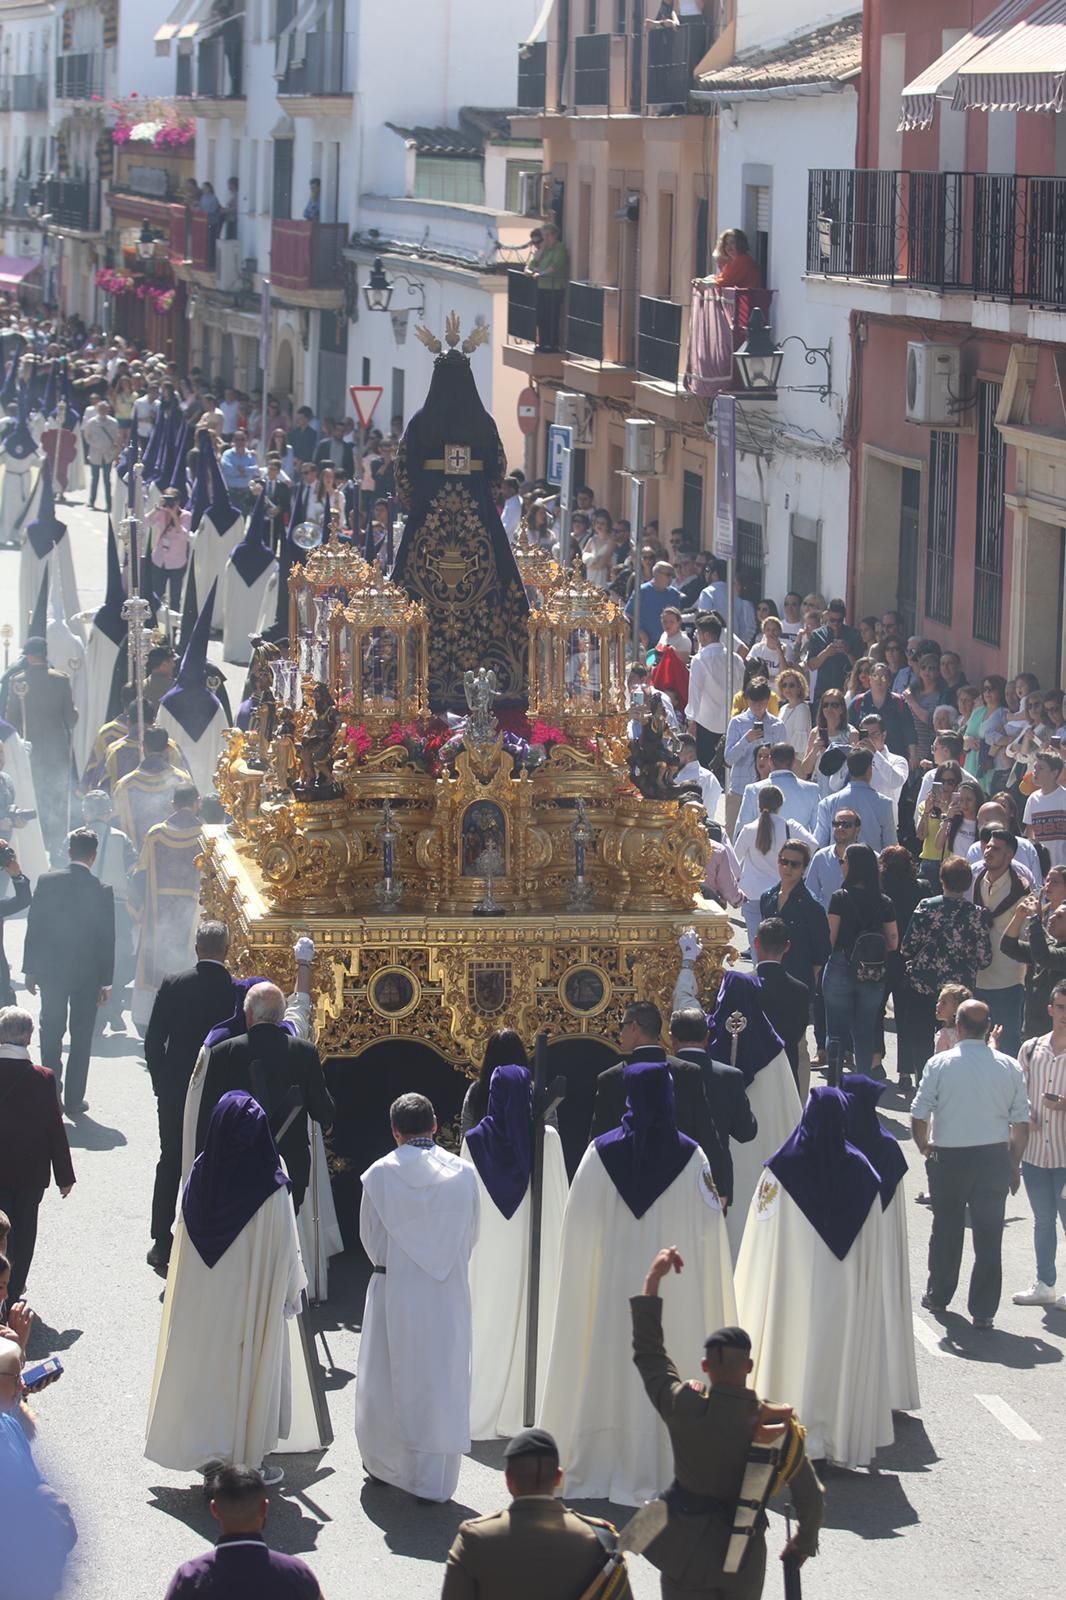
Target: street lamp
pixel 379 286
pixel 146 241
pixel 759 360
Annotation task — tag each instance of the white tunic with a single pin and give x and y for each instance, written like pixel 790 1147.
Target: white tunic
pixel 210 552
pixel 817 1325
pixel 27 841
pixel 200 755
pixel 612 1445
pixel 59 563
pixel 419 1220
pixel 15 490
pixel 222 1386
pixel 499 1268
pixel 775 1103
pixel 240 605
pixel 899 1316
pixel 101 655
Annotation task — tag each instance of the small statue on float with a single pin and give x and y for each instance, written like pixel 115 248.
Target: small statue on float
pixel 653 764
pixel 284 758
pixel 317 749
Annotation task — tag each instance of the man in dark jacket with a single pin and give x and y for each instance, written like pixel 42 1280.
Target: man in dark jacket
pixel 642 1026
pixel 186 1007
pixel 786 1001
pixel 723 1086
pixel 284 1074
pixel 70 954
pixel 33 1141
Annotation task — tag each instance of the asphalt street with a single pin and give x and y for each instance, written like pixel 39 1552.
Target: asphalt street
pixel 968 1500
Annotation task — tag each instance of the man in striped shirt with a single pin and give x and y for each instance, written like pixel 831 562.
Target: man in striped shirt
pixel 1043 1061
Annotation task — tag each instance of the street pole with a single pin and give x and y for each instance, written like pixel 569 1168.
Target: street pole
pixel 264 361
pixel 636 525
pixel 724 541
pixel 566 503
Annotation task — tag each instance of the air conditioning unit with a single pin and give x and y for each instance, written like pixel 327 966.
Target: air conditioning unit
pixel 639 454
pixel 530 194
pixel 228 264
pixel 934 385
pixel 577 411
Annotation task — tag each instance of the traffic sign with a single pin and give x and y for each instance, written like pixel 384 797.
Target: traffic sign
pixel 528 410
pixel 560 439
pixel 365 397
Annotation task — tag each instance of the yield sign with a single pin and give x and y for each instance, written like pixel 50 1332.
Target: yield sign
pixel 365 399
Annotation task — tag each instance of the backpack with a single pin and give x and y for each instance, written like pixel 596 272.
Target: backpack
pixel 869 957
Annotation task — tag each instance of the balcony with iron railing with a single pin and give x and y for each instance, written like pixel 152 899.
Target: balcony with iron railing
pixel 307 257
pixel 605 75
pixel 73 203
pixel 659 339
pixel 24 91
pixel 718 325
pixel 80 75
pixel 1000 236
pixel 324 71
pixel 532 77
pixel 673 55
pixel 219 71
pixel 21 191
pixel 599 339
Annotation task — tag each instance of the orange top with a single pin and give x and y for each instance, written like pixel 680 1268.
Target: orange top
pixel 739 272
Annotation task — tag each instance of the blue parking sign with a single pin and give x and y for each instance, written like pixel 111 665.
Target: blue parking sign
pixel 560 439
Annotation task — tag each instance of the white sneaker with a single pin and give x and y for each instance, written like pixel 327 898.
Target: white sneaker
pixel 272 1475
pixel 1041 1294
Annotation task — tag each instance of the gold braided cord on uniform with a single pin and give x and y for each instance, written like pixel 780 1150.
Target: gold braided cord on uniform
pixel 791 1455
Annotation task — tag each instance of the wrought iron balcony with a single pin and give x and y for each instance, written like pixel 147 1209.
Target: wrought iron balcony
pixel 584 322
pixel 307 255
pixel 24 91
pixel 532 77
pixel 73 203
pixel 996 235
pixel 673 55
pixel 324 70
pixel 80 76
pixel 220 72
pixel 659 337
pixel 521 306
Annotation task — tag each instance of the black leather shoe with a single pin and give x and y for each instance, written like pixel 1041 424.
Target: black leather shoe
pixel 158 1255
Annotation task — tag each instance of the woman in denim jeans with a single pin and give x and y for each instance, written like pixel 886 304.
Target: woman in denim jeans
pixel 852 1009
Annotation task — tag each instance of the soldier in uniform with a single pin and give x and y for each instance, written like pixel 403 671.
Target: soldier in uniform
pixel 538 1547
pixel 40 705
pixel 730 1449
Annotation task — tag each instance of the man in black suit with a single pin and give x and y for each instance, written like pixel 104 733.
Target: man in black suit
pixel 786 1001
pixel 641 1030
pixel 333 452
pixel 724 1087
pixel 70 954
pixel 284 1074
pixel 186 1007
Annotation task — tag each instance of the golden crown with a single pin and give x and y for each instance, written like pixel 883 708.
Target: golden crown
pixel 479 334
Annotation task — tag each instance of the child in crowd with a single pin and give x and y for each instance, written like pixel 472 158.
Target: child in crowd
pixel 948 1002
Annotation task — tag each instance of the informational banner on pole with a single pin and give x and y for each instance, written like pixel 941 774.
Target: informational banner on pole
pixel 724 538
pixel 560 439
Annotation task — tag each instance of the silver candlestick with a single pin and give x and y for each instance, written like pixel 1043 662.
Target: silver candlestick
pixel 135 613
pixel 488 905
pixel 581 833
pixel 389 888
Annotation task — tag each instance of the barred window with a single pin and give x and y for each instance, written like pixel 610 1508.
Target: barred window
pixel 940 555
pixel 991 476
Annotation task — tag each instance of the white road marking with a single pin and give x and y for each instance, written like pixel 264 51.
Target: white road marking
pixel 927 1338
pixel 1009 1417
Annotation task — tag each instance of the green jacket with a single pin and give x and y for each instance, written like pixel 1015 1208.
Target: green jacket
pixel 552 267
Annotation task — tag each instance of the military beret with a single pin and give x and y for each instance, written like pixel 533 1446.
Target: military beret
pixel 531 1442
pixel 728 1339
pixel 35 646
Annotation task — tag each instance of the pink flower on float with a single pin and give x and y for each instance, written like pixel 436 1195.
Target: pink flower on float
pixel 544 733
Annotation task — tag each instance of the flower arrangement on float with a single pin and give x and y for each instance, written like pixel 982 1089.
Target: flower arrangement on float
pixel 433 746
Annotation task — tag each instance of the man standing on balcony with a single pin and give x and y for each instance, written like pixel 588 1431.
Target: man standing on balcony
pixel 551 268
pixel 313 208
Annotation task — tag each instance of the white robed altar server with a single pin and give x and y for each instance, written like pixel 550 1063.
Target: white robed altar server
pixel 888 1161
pixel 222 1386
pixel 418 1224
pixel 809 1286
pixel 500 1147
pixel 772 1092
pixel 192 716
pixel 637 1185
pixel 245 579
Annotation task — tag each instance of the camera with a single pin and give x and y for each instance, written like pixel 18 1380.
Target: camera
pixel 7 855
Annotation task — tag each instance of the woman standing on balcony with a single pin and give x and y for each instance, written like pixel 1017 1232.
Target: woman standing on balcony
pixel 737 267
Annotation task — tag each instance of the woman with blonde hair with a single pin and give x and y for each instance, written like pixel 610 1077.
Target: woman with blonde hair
pixel 795 708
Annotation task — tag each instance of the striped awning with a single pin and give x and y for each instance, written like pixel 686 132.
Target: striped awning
pixel 1025 70
pixel 938 81
pixel 189 20
pixel 292 40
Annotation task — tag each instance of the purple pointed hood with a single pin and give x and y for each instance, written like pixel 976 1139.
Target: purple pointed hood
pixel 830 1180
pixel 253 556
pixel 645 1154
pixel 759 1041
pixel 866 1133
pixel 501 1144
pixel 46 530
pixel 190 702
pixel 236 1173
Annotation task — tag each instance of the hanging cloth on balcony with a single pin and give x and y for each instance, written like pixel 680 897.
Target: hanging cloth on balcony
pixel 938 80
pixel 182 23
pixel 1024 70
pixel 292 40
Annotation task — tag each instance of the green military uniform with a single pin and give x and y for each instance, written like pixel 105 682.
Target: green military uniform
pixel 711 1433
pixel 538 1549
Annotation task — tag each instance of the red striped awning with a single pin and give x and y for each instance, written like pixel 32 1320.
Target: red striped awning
pixel 937 81
pixel 1025 70
pixel 14 270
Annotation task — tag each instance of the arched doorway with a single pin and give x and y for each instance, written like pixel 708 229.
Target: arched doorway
pixel 363 1088
pixel 579 1061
